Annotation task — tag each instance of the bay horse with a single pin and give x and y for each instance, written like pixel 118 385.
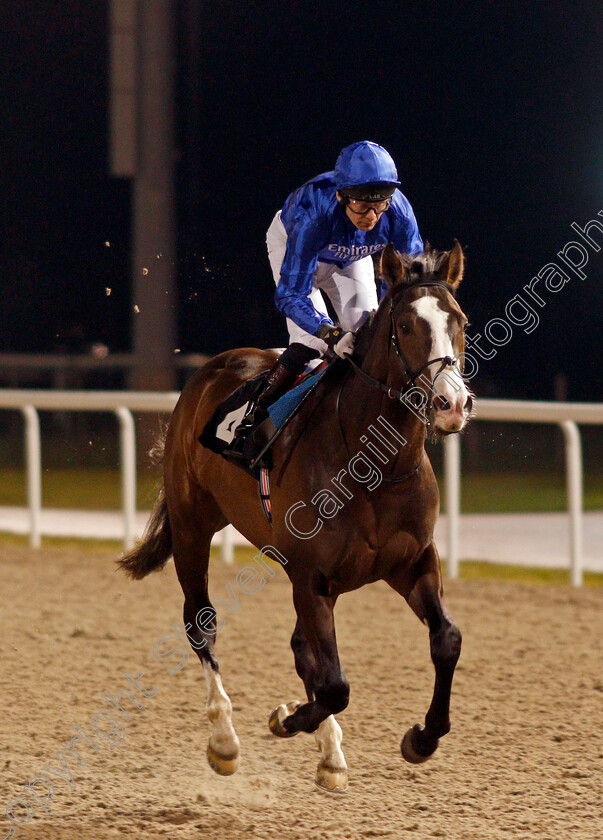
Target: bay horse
pixel 339 521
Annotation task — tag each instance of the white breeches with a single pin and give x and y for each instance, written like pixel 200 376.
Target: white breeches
pixel 351 290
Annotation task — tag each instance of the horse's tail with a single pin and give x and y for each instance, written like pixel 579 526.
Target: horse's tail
pixel 155 548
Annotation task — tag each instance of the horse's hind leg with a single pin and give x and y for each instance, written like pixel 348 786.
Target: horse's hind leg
pixel 425 596
pixel 191 545
pixel 332 771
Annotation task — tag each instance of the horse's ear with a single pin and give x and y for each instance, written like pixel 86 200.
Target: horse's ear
pixel 452 266
pixel 392 269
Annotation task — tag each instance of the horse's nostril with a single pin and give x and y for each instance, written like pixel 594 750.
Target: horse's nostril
pixel 469 404
pixel 441 403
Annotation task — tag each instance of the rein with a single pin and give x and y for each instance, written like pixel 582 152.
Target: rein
pixel 387 480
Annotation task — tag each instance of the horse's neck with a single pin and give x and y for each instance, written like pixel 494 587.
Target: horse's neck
pixel 368 415
pixel 366 411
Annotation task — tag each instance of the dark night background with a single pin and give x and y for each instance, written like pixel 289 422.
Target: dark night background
pixel 491 111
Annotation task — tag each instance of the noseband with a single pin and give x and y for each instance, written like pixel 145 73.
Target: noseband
pixel 393 393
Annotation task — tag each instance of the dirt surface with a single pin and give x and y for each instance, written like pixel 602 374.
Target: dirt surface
pixel 524 758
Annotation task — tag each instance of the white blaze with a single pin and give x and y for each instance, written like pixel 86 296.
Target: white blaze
pixel 450 384
pixel 428 308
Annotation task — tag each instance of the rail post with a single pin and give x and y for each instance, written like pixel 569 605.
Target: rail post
pixel 33 461
pixel 452 472
pixel 127 438
pixel 573 469
pixel 227 545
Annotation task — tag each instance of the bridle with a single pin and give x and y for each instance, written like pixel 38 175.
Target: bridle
pixel 394 393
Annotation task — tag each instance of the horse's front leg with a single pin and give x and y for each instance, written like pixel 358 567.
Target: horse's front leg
pixel 317 663
pixel 424 594
pixel 332 771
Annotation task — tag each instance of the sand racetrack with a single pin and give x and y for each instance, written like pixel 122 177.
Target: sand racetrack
pixel 524 758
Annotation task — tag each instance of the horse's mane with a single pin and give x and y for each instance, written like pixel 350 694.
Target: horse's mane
pixel 418 269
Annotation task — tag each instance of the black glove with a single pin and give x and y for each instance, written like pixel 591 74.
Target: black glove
pixel 337 340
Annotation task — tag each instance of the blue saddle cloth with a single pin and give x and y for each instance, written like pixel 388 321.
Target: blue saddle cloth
pixel 285 405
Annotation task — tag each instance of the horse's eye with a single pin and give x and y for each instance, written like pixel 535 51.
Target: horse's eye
pixel 404 329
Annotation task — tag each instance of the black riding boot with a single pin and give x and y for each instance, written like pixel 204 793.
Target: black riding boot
pixel 289 366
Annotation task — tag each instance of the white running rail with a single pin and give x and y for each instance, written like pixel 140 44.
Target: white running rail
pixel 120 403
pixel 123 403
pixel 565 415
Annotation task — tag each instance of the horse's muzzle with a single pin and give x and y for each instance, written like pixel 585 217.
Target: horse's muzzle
pixel 450 416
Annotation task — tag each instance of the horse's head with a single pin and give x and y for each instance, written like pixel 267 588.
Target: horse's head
pixel 427 331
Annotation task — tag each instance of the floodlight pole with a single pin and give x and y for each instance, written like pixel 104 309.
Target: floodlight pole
pixel 142 39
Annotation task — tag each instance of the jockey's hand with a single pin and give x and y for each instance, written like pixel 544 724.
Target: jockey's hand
pixel 337 340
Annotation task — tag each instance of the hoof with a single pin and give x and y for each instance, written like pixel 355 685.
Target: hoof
pixel 331 779
pixel 223 765
pixel 277 717
pixel 411 747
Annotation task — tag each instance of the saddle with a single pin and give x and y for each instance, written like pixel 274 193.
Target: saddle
pixel 230 417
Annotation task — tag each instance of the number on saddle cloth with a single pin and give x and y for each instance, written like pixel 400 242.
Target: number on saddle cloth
pixel 220 430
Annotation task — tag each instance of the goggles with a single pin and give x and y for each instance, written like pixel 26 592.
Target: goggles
pixel 361 208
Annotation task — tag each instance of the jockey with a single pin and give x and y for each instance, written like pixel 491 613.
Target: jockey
pixel 323 239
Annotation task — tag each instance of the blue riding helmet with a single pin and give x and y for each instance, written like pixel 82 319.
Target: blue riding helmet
pixel 362 164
